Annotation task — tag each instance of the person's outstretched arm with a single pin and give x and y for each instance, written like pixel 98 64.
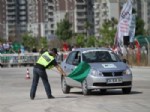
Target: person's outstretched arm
pixel 60 70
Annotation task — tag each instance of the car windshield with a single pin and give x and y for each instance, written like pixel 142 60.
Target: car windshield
pixel 99 56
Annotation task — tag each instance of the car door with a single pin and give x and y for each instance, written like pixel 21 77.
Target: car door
pixel 72 61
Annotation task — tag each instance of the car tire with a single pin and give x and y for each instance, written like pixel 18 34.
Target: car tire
pixel 1 65
pixel 126 90
pixel 85 89
pixel 65 88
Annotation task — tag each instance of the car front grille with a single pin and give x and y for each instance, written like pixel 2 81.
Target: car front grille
pixel 109 74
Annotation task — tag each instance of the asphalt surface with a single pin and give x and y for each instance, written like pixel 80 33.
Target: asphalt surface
pixel 15 88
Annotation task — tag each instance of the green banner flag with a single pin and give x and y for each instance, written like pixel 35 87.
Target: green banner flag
pixel 81 72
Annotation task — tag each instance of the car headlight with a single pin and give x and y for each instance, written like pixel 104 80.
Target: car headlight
pixel 95 73
pixel 127 72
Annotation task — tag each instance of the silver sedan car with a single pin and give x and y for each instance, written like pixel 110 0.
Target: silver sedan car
pixel 107 71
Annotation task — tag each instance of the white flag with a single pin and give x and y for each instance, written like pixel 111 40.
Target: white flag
pixel 132 28
pixel 125 21
pixel 123 28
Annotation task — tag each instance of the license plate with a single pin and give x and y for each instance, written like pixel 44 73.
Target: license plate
pixel 114 80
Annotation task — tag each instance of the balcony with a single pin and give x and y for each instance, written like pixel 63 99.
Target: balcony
pixel 10 3
pixel 50 19
pixel 80 2
pixel 11 13
pixel 80 23
pixel 24 28
pixel 81 9
pixel 50 4
pixel 81 16
pixel 80 30
pixel 11 18
pixel 22 12
pixel 12 23
pixel 22 2
pixel 23 18
pixel 12 27
pixel 11 8
pixel 23 23
pixel 22 7
pixel 50 13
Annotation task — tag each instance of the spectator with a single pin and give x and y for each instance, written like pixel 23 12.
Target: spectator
pixel 1 48
pixel 42 50
pixel 74 47
pixel 6 46
pixel 34 50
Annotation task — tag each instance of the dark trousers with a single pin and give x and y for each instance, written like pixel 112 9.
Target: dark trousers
pixel 38 73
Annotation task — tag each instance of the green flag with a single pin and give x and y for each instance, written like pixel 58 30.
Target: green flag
pixel 81 72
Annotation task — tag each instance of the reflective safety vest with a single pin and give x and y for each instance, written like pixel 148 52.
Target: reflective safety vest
pixel 45 59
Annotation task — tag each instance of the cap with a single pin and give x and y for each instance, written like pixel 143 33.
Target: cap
pixel 54 50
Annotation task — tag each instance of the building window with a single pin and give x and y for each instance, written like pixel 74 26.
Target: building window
pixel 52 26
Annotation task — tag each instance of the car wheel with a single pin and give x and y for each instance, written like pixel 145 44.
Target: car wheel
pixel 126 90
pixel 85 89
pixel 65 88
pixel 103 91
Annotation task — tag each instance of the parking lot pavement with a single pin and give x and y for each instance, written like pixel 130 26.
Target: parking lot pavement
pixel 14 94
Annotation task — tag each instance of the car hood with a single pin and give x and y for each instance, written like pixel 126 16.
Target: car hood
pixel 114 66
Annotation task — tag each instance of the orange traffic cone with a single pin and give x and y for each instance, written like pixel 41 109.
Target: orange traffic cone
pixel 28 74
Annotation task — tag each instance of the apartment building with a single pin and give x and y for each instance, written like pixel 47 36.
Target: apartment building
pixel 40 17
pixel 145 12
pixel 64 9
pixel 97 18
pixel 110 9
pixel 80 16
pixel 33 21
pixel 49 10
pixel 2 19
pixel 16 18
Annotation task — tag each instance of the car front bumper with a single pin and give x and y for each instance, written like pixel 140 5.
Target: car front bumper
pixel 102 83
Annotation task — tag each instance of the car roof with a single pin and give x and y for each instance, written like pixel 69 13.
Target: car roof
pixel 93 48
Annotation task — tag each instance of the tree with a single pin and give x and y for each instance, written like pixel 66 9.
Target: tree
pixel 29 41
pixel 43 42
pixel 64 31
pixel 147 32
pixel 80 40
pixel 107 31
pixel 2 39
pixel 90 41
pixel 139 27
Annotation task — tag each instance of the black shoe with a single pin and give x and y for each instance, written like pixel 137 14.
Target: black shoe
pixel 51 97
pixel 32 98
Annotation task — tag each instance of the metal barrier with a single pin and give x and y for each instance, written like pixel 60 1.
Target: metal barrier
pixel 11 60
pixel 26 59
